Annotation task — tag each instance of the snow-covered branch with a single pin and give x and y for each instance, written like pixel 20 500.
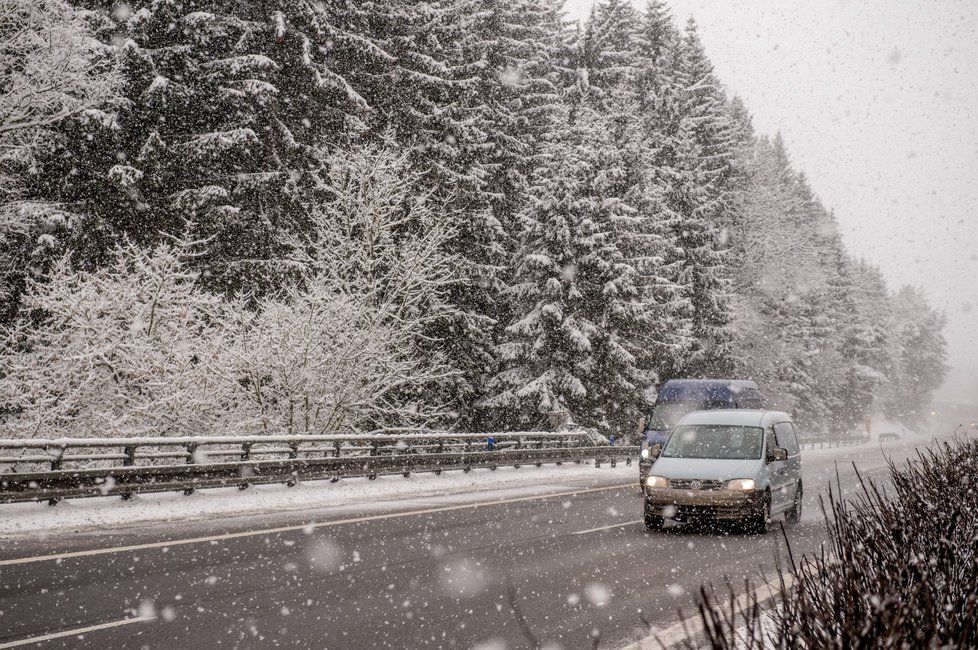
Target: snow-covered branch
pixel 51 67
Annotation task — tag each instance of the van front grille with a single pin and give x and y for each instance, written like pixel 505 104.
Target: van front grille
pixel 695 484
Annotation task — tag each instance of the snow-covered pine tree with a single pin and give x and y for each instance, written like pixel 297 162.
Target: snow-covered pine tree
pixel 589 310
pixel 226 109
pixel 919 354
pixel 54 69
pixel 696 143
pixel 774 265
pixel 850 381
pixel 657 47
pixel 656 328
pixel 875 309
pixel 606 50
pixel 499 57
pixel 510 51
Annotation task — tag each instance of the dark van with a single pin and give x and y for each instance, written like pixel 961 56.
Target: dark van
pixel 678 397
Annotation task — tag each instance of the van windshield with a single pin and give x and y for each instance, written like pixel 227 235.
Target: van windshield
pixel 720 441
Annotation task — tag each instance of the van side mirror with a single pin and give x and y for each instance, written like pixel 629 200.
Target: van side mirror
pixel 655 450
pixel 778 453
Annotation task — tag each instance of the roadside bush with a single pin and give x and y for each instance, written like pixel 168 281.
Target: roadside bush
pixel 899 570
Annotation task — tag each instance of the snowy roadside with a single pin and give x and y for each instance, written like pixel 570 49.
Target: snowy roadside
pixel 360 495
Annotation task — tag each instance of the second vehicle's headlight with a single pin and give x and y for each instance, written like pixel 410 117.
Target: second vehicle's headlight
pixel 645 453
pixel 657 482
pixel 741 484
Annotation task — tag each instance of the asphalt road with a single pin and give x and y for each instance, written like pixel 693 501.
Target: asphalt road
pixel 579 564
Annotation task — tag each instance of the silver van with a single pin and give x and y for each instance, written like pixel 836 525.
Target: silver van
pixel 742 465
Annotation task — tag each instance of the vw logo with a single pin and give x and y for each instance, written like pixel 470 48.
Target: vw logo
pixel 695 485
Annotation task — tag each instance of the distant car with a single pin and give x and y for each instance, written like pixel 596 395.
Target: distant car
pixel 677 397
pixel 741 465
pixel 889 437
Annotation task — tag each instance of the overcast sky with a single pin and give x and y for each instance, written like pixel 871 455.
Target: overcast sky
pixel 878 103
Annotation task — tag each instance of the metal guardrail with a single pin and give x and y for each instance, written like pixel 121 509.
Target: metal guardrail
pixel 819 442
pixel 50 470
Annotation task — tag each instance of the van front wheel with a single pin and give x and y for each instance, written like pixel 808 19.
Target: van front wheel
pixel 758 523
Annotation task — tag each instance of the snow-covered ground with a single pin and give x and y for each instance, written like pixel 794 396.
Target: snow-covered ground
pixel 358 495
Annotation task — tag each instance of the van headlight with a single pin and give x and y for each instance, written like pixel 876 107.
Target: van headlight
pixel 645 452
pixel 657 482
pixel 741 485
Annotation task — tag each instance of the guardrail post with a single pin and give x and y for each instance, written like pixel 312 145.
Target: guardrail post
pixel 245 456
pixel 441 450
pixel 191 460
pixel 56 458
pixel 339 448
pixel 130 458
pixel 293 455
pixel 55 466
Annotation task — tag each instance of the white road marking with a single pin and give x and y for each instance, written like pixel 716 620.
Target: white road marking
pixel 688 628
pixel 75 632
pixel 286 529
pixel 594 530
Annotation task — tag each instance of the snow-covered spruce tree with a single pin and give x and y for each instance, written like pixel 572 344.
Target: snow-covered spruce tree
pixel 509 54
pixel 919 354
pixel 584 316
pixel 691 208
pixel 695 174
pixel 775 265
pixel 53 68
pixel 607 49
pixel 657 328
pixel 875 316
pixel 505 54
pixel 227 107
pixel 852 380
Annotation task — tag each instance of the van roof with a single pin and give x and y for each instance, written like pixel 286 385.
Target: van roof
pixel 736 417
pixel 677 390
pixel 732 383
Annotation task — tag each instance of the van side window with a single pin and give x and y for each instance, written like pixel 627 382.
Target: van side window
pixel 785 435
